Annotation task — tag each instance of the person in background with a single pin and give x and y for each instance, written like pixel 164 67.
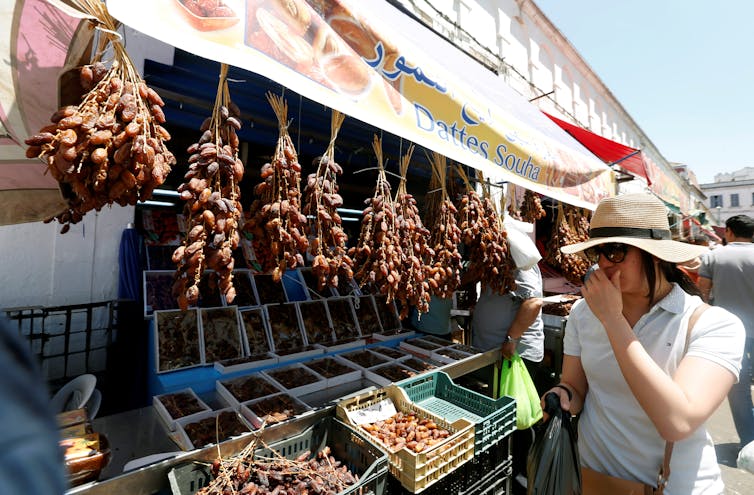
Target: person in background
pixel 31 460
pixel 436 321
pixel 726 277
pixel 628 368
pixel 512 322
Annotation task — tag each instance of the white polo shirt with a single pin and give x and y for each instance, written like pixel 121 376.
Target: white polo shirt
pixel 615 434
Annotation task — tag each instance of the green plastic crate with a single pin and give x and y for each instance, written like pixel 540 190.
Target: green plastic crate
pixel 350 447
pixel 493 419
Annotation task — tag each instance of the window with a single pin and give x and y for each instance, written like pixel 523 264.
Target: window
pixel 716 200
pixel 734 200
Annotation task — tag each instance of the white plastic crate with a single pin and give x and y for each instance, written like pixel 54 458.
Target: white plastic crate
pixel 303 380
pixel 163 413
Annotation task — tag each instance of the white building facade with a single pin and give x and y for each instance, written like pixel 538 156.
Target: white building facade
pixel 731 194
pixel 516 39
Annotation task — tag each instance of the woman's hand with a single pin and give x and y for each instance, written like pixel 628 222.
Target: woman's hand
pixel 603 295
pixel 565 399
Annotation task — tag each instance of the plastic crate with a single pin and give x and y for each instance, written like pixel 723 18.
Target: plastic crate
pixel 189 478
pixel 417 471
pixel 348 446
pixel 495 482
pixel 351 447
pixel 493 419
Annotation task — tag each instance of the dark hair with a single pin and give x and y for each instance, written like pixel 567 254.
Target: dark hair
pixel 741 226
pixel 672 274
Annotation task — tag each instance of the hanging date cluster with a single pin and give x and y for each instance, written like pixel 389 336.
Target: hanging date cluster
pixel 276 223
pixel 416 254
pixel 327 242
pixel 571 226
pixel 486 240
pixel 377 253
pixel 531 207
pixel 212 206
pixel 108 149
pixel 444 275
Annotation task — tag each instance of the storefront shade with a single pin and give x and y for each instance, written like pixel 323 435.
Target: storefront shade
pixel 37 39
pixel 374 63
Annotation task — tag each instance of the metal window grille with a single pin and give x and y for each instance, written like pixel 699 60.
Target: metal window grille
pixel 68 340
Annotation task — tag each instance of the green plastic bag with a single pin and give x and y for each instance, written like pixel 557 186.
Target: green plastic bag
pixel 515 382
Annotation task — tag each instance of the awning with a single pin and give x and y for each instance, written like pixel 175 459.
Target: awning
pixel 632 160
pixel 38 38
pixel 610 152
pixel 373 62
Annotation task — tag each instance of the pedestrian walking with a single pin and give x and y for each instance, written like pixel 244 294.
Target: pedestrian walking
pixel 726 278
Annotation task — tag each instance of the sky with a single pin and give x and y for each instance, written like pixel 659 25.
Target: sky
pixel 682 69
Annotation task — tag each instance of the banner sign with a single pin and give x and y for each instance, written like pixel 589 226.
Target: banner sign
pixel 335 53
pixel 665 187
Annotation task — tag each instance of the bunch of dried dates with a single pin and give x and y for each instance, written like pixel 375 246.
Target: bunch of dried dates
pixel 483 234
pixel 325 229
pixel 245 475
pixel 444 274
pixel 276 223
pixel 212 206
pixel 571 226
pixel 378 253
pixel 413 288
pixel 108 149
pixel 531 207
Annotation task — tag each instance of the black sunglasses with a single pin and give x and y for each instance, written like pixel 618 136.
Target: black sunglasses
pixel 614 252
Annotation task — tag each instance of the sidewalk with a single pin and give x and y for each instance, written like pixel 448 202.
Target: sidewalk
pixel 720 425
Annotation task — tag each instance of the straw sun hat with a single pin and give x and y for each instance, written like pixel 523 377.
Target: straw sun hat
pixel 638 220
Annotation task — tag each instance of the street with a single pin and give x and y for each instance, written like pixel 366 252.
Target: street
pixel 720 425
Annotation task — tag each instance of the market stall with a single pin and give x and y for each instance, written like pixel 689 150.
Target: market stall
pixel 261 317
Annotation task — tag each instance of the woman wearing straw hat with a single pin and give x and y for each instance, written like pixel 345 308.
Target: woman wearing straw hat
pixel 628 367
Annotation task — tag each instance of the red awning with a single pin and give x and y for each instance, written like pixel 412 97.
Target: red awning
pixel 611 152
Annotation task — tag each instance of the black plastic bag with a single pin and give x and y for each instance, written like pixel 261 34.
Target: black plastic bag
pixel 552 466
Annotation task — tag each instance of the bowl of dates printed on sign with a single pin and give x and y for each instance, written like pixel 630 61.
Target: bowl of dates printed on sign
pixel 177 340
pixel 206 16
pixel 245 388
pixel 222 334
pixel 178 405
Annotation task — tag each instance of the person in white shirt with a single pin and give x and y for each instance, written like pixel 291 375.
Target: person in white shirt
pixel 726 279
pixel 627 368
